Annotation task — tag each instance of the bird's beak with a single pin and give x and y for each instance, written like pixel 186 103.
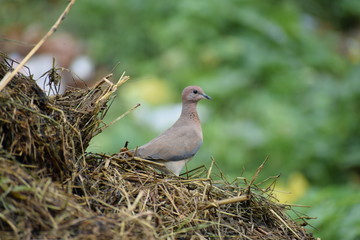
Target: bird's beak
pixel 206 96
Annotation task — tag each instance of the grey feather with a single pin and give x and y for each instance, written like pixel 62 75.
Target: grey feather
pixel 175 144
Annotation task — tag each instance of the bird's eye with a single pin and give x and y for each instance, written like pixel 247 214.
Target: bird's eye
pixel 195 91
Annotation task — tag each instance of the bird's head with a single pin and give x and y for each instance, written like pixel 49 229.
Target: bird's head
pixel 193 94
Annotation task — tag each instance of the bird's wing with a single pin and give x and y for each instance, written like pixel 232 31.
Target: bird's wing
pixel 175 144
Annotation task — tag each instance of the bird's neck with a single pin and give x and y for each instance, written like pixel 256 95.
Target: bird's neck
pixel 189 112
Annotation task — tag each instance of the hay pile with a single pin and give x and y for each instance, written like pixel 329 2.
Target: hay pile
pixel 51 189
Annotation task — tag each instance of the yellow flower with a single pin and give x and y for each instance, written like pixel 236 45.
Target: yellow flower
pixel 295 188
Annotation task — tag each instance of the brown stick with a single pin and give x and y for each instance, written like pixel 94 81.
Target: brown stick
pixel 117 119
pixel 256 174
pixel 9 75
pixel 241 198
pixel 283 221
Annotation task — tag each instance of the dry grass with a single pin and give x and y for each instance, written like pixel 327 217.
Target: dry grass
pixel 51 188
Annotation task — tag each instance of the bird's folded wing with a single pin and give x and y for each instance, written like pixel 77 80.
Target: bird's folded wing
pixel 178 145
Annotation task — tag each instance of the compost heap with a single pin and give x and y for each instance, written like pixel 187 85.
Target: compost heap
pixel 52 189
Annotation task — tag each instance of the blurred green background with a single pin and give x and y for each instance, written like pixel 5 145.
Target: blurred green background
pixel 283 74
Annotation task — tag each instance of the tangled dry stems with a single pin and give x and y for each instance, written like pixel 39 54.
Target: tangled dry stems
pixel 51 188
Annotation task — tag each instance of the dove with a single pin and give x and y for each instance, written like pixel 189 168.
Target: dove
pixel 178 144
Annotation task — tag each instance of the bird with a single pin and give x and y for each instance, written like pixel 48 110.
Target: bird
pixel 178 144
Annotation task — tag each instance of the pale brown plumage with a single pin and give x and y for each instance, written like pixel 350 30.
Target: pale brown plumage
pixel 180 142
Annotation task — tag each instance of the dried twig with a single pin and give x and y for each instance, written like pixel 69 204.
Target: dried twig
pixel 228 201
pixel 256 174
pixel 8 76
pixel 282 220
pixel 116 119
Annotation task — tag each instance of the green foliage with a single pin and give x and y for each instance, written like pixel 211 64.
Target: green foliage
pixel 14 14
pixel 337 210
pixel 344 15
